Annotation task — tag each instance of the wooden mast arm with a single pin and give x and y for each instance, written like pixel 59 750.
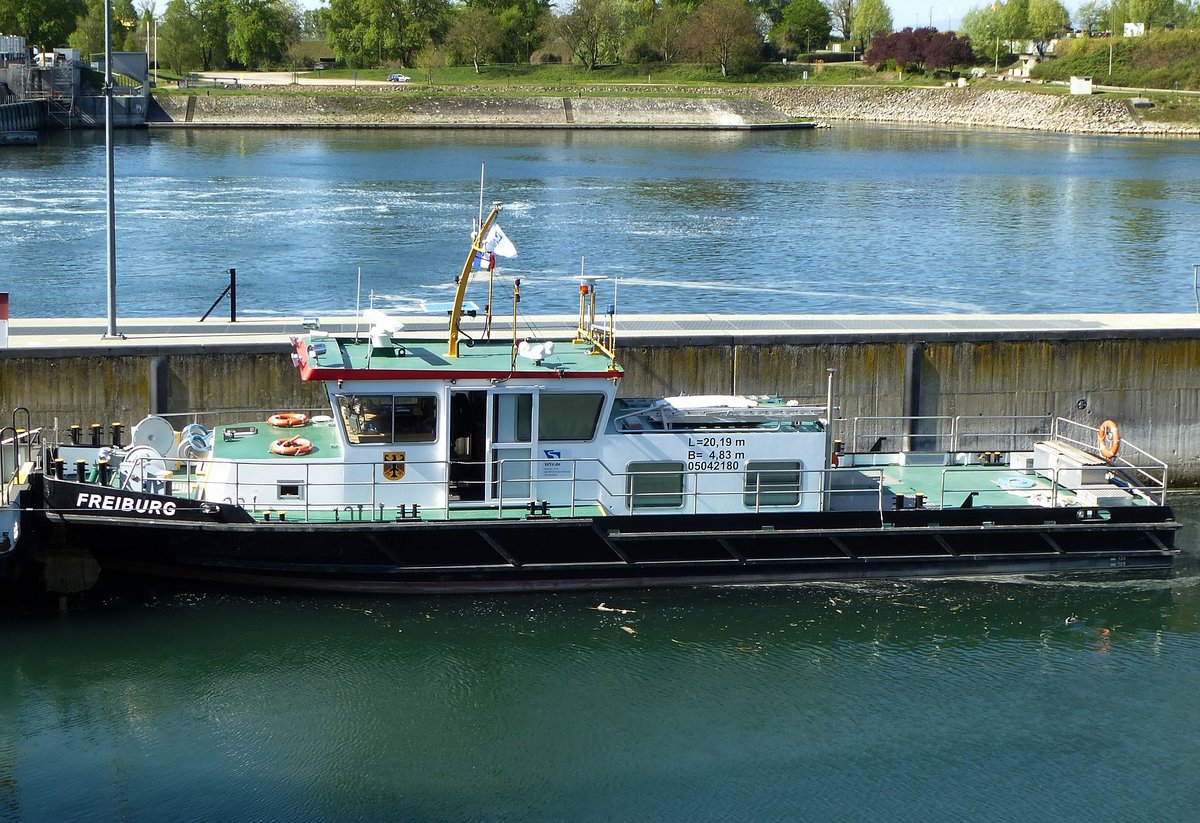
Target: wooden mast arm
pixel 461 292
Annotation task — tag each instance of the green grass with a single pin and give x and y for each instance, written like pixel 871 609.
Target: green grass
pixel 1160 60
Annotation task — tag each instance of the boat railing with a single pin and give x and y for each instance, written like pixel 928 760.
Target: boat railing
pixel 210 418
pixel 1147 473
pixel 18 445
pixel 944 433
pixel 591 483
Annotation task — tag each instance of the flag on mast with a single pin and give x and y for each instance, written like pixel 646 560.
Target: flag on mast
pixel 495 244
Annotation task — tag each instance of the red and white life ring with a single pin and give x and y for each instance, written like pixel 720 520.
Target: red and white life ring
pixel 288 420
pixel 1108 437
pixel 292 446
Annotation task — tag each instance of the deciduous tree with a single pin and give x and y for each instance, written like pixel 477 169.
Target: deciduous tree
pixel 260 31
pixel 725 32
pixel 666 31
pixel 475 33
pixel 841 12
pixel 805 23
pixel 1089 18
pixel 592 30
pixel 1047 20
pixel 925 48
pixel 43 23
pixel 871 17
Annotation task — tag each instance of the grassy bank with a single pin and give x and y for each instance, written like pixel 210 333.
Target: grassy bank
pixel 1160 60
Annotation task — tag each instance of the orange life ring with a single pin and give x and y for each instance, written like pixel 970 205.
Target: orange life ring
pixel 292 446
pixel 1109 438
pixel 288 420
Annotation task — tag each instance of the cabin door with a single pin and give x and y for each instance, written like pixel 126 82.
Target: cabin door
pixel 512 446
pixel 468 457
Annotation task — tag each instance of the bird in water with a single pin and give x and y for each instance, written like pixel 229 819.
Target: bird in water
pixel 1070 620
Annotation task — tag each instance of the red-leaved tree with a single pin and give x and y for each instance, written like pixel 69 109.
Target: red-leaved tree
pixel 922 48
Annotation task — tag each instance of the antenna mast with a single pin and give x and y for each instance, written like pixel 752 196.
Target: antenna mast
pixel 461 292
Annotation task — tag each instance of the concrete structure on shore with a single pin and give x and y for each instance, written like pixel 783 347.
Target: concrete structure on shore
pixel 381 109
pixel 1139 370
pixel 754 106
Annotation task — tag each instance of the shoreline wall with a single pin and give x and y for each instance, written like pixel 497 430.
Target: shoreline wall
pixel 711 107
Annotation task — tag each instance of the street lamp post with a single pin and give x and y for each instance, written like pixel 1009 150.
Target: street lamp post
pixel 111 236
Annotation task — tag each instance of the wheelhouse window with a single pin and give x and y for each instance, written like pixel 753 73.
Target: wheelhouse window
pixel 512 418
pixel 568 416
pixel 654 485
pixel 388 418
pixel 772 483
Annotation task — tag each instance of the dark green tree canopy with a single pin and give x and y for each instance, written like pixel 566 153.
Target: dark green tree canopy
pixel 44 24
pixel 805 25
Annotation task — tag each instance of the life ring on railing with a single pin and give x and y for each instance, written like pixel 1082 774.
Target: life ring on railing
pixel 292 446
pixel 288 420
pixel 1108 436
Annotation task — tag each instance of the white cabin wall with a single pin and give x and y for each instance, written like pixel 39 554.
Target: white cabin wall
pixel 714 491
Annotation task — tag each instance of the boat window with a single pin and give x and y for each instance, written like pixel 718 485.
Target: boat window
pixel 414 418
pixel 772 483
pixel 513 418
pixel 293 489
pixel 564 416
pixel 386 418
pixel 654 485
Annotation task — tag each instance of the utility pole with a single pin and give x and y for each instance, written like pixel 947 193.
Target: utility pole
pixel 108 173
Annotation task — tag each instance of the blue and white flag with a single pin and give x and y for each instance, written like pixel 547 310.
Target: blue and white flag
pixel 497 243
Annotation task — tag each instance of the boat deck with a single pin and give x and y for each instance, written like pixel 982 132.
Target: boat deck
pixel 947 487
pixel 252 441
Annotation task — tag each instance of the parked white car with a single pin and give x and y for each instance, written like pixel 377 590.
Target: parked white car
pixel 399 78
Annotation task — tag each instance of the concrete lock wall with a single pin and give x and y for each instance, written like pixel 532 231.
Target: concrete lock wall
pixel 1148 385
pixel 28 116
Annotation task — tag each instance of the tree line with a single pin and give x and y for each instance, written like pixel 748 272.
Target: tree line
pixel 730 34
pixel 219 34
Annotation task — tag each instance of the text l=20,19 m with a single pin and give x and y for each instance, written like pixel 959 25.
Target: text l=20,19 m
pixel 716 442
pixel 713 465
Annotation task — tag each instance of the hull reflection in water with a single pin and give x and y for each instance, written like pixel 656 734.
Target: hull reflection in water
pixel 881 700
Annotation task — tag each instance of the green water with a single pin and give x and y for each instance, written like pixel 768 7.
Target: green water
pixel 919 700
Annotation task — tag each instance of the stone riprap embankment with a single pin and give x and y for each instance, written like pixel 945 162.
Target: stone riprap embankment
pixel 712 107
pixel 1008 108
pixel 381 109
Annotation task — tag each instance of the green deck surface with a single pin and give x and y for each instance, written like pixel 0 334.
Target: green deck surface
pixel 948 486
pixel 431 356
pixel 257 446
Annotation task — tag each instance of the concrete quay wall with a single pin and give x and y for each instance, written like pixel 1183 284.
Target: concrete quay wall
pixel 381 109
pixel 1143 374
pixel 709 107
pixel 26 116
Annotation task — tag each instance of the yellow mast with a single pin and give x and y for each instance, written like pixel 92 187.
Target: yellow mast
pixel 461 292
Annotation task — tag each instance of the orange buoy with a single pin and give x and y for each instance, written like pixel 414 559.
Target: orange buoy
pixel 1109 438
pixel 292 446
pixel 288 420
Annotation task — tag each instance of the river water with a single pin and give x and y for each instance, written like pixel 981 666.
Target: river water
pixel 923 700
pixel 855 219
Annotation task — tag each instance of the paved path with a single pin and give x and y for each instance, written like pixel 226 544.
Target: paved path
pixel 58 337
pixel 287 78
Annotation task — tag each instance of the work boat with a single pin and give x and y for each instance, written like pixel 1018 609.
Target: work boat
pixel 463 463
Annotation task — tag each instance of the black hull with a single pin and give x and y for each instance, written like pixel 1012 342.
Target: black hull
pixel 619 552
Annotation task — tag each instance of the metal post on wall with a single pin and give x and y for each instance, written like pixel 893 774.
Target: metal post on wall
pixel 231 290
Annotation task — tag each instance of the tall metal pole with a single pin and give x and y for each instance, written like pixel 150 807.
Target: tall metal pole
pixel 108 173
